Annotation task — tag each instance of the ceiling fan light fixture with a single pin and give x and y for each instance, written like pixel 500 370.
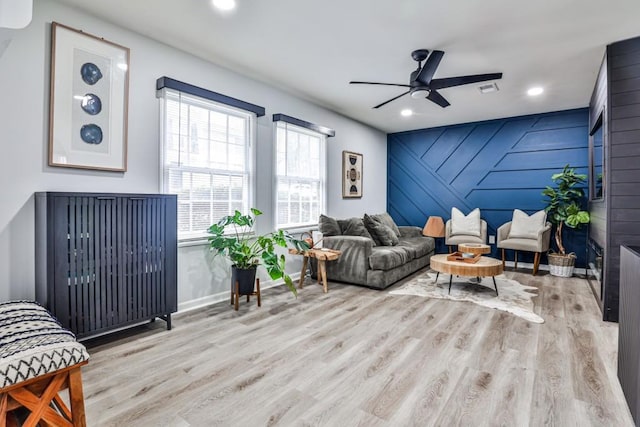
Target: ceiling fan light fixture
pixel 419 93
pixel 422 85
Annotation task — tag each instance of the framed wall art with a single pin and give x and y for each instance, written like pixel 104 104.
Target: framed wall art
pixel 351 175
pixel 88 103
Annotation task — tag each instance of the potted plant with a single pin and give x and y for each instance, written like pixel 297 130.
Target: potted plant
pixel 231 237
pixel 564 207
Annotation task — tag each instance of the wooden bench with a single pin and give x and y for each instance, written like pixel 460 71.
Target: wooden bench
pixel 38 360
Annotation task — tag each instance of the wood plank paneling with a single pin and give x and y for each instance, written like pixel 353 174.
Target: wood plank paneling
pixel 623 208
pixel 497 165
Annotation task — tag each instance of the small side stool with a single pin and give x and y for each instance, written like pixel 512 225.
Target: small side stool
pixel 321 255
pixel 235 294
pixel 38 359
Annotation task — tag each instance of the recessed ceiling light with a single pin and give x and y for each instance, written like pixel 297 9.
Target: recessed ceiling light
pixel 225 5
pixel 535 91
pixel 406 112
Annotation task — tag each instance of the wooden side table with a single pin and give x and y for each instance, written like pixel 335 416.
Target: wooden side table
pixel 474 248
pixel 322 255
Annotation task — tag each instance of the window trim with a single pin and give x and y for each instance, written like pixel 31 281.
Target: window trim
pixel 251 159
pixel 312 131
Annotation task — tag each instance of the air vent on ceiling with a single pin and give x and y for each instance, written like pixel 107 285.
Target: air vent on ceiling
pixel 488 88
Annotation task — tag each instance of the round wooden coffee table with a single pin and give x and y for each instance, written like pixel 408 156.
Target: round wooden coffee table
pixel 484 267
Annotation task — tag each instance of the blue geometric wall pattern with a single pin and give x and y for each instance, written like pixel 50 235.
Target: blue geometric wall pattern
pixel 497 166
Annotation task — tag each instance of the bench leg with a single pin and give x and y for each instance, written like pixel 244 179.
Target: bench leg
pixel 42 399
pixel 76 396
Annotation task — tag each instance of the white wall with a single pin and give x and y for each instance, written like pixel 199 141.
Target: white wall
pixel 24 92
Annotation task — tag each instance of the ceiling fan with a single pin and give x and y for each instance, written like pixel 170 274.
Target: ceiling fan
pixel 422 83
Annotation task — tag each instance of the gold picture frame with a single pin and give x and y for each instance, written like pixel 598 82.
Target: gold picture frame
pixel 88 101
pixel 351 175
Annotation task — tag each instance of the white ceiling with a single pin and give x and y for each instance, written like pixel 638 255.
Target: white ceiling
pixel 314 48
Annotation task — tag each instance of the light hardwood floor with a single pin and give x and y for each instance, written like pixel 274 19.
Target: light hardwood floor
pixel 361 357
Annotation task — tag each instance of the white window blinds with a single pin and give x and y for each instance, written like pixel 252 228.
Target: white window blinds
pixel 207 159
pixel 300 175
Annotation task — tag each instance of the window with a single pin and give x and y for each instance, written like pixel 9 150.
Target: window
pixel 300 175
pixel 207 159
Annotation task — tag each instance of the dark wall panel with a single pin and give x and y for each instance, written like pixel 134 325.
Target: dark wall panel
pixel 629 334
pixel 497 165
pixel 623 214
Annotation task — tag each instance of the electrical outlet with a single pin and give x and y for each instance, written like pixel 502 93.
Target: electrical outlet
pixel 492 240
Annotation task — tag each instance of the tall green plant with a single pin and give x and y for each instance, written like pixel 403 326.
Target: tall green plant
pixel 564 203
pixel 232 237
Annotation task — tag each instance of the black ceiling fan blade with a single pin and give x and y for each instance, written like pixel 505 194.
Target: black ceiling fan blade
pixel 463 80
pixel 392 99
pixel 379 84
pixel 429 67
pixel 434 96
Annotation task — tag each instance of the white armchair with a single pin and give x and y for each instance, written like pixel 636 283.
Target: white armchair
pixel 536 241
pixel 469 229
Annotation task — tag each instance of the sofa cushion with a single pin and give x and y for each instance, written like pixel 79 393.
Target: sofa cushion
pixel 354 227
pixel 386 219
pixel 417 247
pixel 388 257
pixel 382 234
pixel 466 225
pixel 329 226
pixel 525 226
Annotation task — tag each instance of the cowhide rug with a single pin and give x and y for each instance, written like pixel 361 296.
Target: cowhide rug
pixel 514 297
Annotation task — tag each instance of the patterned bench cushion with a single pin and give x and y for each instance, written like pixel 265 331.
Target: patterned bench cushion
pixel 32 343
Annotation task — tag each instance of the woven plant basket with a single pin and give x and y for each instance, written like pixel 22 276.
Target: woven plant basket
pixel 561 265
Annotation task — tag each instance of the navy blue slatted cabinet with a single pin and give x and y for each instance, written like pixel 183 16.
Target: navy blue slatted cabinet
pixel 105 261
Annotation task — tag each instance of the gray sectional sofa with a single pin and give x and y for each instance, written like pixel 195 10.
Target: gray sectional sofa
pixel 376 255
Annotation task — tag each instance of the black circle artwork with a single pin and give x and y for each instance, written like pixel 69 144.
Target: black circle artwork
pixel 91 134
pixel 91 104
pixel 90 73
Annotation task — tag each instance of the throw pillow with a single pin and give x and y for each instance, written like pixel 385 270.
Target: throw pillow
pixel 382 234
pixel 369 223
pixel 354 227
pixel 465 225
pixel 386 219
pixel 329 226
pixel 525 226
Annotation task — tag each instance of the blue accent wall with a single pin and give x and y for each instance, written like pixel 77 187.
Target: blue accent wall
pixel 496 165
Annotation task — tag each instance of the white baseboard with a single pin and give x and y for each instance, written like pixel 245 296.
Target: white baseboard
pixel 194 304
pixel 528 265
pixel 544 267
